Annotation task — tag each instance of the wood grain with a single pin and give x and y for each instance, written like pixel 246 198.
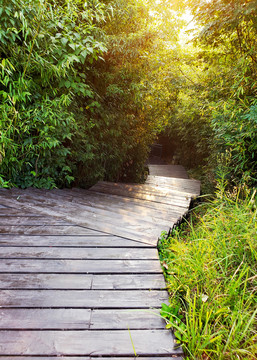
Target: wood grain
pixel 17 252
pixel 82 281
pixel 78 268
pixel 85 343
pixel 83 298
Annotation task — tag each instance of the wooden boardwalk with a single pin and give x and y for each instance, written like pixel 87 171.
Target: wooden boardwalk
pixel 80 276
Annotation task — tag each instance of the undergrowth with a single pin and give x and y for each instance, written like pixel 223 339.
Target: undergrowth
pixel 210 267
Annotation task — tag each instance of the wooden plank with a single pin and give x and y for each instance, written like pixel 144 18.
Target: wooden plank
pixel 126 319
pixel 31 221
pixel 131 228
pixel 47 230
pixel 43 197
pixel 80 319
pixel 183 184
pixel 122 205
pixel 162 190
pixel 79 266
pixel 15 212
pixel 123 202
pixel 170 190
pixel 82 298
pixel 188 186
pixel 93 205
pixel 3 207
pixel 82 281
pixel 84 343
pixel 39 319
pixel 46 281
pixel 137 281
pixel 58 357
pixel 147 233
pixel 88 358
pixel 6 199
pixel 128 191
pixel 69 240
pixel 142 235
pixel 150 235
pixel 176 171
pixel 9 213
pixel 77 253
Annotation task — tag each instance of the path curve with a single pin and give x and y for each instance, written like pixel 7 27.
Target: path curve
pixel 79 269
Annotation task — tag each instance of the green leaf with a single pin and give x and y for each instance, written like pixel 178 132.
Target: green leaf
pixel 64 41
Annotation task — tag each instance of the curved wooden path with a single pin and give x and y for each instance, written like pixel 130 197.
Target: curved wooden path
pixel 80 276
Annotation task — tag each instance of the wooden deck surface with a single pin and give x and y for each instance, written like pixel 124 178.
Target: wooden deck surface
pixel 80 276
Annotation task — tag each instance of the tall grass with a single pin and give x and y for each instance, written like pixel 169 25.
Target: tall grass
pixel 210 267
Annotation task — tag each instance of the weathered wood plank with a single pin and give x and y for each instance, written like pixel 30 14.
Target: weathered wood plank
pixel 125 206
pixel 80 200
pixel 139 231
pixel 31 221
pixel 80 319
pixel 9 213
pixel 188 186
pixel 175 357
pixel 82 281
pixel 91 204
pixel 82 298
pixel 175 171
pixel 69 240
pixel 88 358
pixel 80 266
pixel 14 357
pixel 84 343
pixel 3 207
pixel 46 281
pixel 137 281
pixel 47 230
pixel 77 253
pixel 161 190
pixel 171 191
pixel 163 197
pixel 6 211
pixel 6 199
pixel 126 319
pixel 39 319
pixel 123 202
pixel 130 228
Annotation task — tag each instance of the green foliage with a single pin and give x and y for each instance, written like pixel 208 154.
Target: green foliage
pixel 235 130
pixel 212 84
pixel 123 128
pixel 44 47
pixel 32 143
pixel 85 88
pixel 210 267
pixel 72 112
pixel 174 319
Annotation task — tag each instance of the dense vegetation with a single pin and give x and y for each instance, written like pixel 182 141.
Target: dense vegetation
pixel 86 86
pixel 72 92
pixel 211 267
